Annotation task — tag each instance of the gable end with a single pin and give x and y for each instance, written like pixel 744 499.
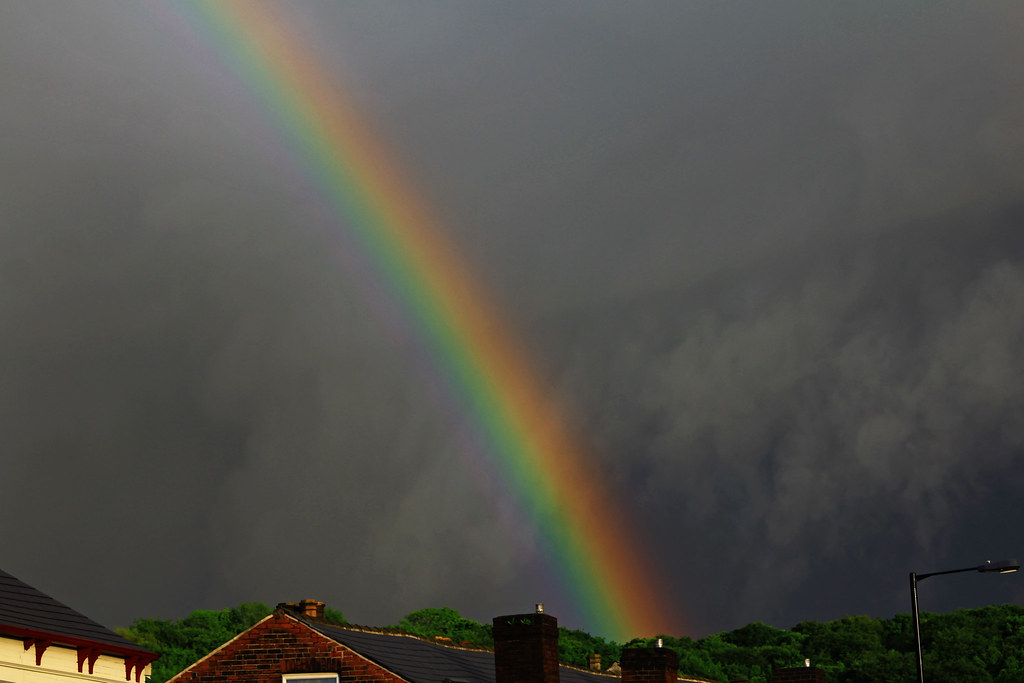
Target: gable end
pixel 281 644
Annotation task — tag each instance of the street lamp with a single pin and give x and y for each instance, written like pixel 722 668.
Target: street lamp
pixel 1000 567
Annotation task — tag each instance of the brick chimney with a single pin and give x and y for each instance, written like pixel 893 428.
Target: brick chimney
pixel 594 662
pixel 799 674
pixel 312 608
pixel 526 648
pixel 649 665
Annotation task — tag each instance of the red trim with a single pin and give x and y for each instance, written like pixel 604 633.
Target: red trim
pixel 75 642
pixel 41 646
pixel 87 653
pixel 137 663
pixel 88 650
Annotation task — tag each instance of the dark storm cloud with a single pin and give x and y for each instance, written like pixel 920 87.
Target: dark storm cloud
pixel 821 403
pixel 768 255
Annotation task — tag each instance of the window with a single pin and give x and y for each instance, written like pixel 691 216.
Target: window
pixel 310 678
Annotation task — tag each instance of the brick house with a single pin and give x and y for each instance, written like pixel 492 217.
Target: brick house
pixel 42 639
pixel 296 645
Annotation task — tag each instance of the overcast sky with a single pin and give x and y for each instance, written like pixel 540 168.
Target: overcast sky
pixel 768 254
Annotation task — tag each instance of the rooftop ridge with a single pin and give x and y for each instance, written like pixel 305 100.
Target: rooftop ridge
pixel 323 626
pixel 387 631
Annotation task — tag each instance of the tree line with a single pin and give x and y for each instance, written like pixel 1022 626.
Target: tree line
pixel 984 645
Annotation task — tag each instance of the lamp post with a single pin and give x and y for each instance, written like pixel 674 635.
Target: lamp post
pixel 1000 567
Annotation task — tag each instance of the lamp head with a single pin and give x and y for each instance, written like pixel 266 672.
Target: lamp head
pixel 1000 566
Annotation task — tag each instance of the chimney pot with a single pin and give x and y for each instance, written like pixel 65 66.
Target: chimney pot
pixel 526 648
pixel 312 608
pixel 649 665
pixel 540 608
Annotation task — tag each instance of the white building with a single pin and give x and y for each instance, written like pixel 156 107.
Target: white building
pixel 42 639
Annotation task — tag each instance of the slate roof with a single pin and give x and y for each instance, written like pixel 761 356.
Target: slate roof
pixel 422 661
pixel 26 611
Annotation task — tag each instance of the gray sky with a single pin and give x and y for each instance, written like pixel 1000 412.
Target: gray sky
pixel 768 254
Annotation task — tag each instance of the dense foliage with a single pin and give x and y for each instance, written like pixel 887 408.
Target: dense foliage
pixel 575 646
pixel 983 645
pixel 444 622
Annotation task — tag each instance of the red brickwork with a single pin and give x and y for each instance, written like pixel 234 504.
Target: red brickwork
pixel 282 645
pixel 800 674
pixel 526 648
pixel 649 665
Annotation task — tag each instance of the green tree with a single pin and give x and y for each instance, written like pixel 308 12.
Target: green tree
pixel 575 647
pixel 760 635
pixel 445 622
pixel 335 615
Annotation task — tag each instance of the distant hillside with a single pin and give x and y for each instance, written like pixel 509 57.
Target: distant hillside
pixel 984 645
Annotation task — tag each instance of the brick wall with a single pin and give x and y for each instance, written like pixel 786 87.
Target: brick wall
pixel 801 674
pixel 278 646
pixel 649 665
pixel 526 648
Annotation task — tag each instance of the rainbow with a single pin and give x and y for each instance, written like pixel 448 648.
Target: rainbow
pixel 579 523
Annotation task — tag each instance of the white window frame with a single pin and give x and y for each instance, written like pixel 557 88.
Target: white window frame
pixel 299 677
